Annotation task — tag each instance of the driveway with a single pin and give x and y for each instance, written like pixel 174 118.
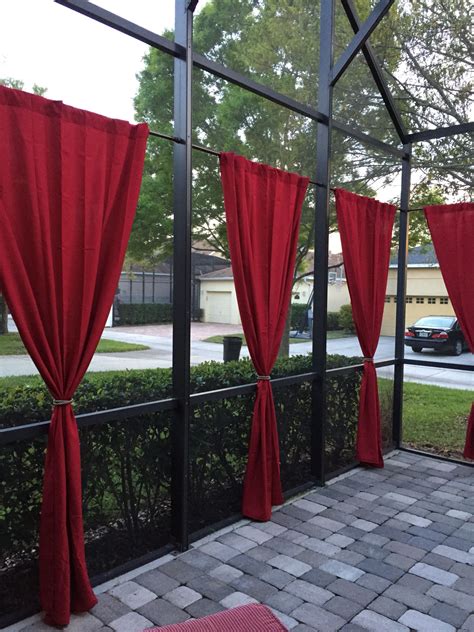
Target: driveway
pixel 159 339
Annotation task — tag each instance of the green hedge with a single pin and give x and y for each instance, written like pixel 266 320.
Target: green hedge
pixel 144 313
pixel 298 316
pixel 345 318
pixel 334 321
pixel 126 465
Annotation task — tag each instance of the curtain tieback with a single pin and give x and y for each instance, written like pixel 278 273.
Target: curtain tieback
pixel 368 359
pixel 263 377
pixel 61 402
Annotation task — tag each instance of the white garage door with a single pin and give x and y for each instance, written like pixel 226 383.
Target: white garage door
pixel 218 307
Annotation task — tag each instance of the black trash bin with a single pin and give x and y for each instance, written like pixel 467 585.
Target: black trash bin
pixel 232 346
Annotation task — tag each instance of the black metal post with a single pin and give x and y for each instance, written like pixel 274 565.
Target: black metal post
pixel 143 285
pixel 321 241
pixel 401 296
pixel 182 200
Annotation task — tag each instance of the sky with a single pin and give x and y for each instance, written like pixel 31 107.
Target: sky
pixel 81 62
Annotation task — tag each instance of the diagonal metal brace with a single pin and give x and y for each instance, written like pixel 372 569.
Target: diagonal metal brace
pixel 191 5
pixel 377 72
pixel 359 39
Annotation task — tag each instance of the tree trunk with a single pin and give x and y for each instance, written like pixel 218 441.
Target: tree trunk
pixel 3 316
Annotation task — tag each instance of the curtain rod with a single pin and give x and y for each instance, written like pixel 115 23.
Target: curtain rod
pixel 206 150
pixel 213 152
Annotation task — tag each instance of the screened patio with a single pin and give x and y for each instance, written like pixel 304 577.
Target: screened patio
pixel 373 533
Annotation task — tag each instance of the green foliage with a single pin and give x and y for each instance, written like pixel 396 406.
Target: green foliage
pixel 126 465
pixel 333 321
pixel 298 316
pixel 17 84
pixel 423 194
pixel 433 86
pixel 276 42
pixel 144 313
pixel 3 316
pixel 345 318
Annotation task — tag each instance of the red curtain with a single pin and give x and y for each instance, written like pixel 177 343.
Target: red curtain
pixel 365 226
pixel 263 211
pixel 452 231
pixel 69 184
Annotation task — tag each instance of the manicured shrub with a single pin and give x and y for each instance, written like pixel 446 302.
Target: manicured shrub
pixel 345 318
pixel 126 464
pixel 333 321
pixel 144 313
pixel 298 316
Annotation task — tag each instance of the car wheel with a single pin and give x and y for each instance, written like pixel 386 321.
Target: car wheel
pixel 417 349
pixel 457 350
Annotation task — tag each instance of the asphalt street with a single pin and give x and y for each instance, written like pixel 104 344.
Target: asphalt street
pixel 160 355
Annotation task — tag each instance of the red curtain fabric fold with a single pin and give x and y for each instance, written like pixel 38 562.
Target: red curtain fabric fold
pixel 69 185
pixel 263 210
pixel 365 226
pixel 452 230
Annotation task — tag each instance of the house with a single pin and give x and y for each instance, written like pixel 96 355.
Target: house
pixel 219 299
pixel 138 284
pixel 426 292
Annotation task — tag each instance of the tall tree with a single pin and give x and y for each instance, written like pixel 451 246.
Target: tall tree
pixel 276 43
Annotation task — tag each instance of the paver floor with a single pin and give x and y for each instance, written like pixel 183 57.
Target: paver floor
pixel 383 550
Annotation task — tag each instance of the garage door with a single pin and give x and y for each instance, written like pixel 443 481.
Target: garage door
pixel 218 307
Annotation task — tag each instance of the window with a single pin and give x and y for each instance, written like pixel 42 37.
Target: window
pixel 420 299
pixel 409 299
pixel 431 300
pixel 387 299
pixel 444 301
pixel 394 299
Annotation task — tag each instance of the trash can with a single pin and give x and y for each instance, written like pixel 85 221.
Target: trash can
pixel 232 346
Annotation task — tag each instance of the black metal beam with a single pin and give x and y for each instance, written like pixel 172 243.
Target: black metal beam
pixel 438 457
pixel 440 365
pixel 238 79
pixel 90 10
pixel 359 39
pixel 129 28
pixel 27 432
pixel 440 132
pixel 377 72
pixel 321 243
pixel 182 208
pixel 397 413
pixel 368 140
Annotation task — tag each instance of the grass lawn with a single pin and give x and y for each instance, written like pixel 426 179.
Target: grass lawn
pixel 11 344
pixel 434 418
pixel 338 333
pixel 330 334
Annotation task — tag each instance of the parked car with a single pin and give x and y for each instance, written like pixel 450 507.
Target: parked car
pixel 442 333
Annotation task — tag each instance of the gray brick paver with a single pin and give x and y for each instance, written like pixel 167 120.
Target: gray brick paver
pixel 409 529
pixel 424 623
pixel 387 607
pixel 449 614
pixel 316 616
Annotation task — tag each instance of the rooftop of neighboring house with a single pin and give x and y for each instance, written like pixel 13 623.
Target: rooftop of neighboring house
pixel 201 263
pixel 224 274
pixel 419 257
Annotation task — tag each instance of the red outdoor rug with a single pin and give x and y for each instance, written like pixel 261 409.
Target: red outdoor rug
pixel 250 618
